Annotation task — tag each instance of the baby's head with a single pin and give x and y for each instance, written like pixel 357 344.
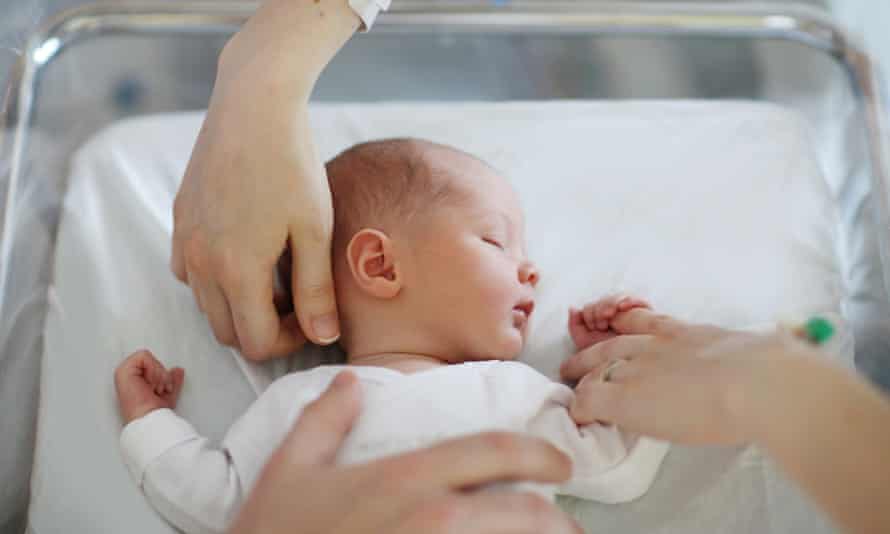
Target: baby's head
pixel 429 254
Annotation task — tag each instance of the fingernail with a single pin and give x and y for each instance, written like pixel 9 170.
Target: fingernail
pixel 326 328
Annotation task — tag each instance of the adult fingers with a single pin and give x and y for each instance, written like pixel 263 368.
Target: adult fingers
pixel 644 321
pixel 218 312
pixel 192 282
pixel 257 325
pixel 177 252
pixel 631 398
pixel 621 347
pixel 598 401
pixel 489 513
pixel 618 370
pixel 478 460
pixel 324 424
pixel 290 337
pixel 177 260
pixel 313 287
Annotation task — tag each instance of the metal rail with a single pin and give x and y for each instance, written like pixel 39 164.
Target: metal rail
pixel 790 22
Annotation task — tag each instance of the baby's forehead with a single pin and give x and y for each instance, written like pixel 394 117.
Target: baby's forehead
pixel 488 195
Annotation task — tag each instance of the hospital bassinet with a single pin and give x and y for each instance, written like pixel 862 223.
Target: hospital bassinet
pixel 793 56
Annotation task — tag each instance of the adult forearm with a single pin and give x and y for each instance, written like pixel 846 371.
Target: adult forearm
pixel 288 43
pixel 830 432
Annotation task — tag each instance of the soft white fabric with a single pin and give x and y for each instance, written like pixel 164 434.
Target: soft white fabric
pixel 714 211
pixel 368 10
pixel 199 488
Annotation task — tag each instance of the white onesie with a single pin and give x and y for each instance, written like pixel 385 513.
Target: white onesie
pixel 199 486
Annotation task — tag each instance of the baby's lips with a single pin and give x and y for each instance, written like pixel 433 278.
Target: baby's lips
pixel 526 306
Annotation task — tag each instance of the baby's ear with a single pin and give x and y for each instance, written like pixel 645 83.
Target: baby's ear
pixel 373 264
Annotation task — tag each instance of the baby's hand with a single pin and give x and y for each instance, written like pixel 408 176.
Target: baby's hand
pixel 592 325
pixel 144 384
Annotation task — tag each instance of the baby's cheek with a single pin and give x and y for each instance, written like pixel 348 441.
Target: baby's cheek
pixel 500 289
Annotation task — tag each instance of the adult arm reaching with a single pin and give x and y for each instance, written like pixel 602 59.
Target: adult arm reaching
pixel 255 184
pixel 828 429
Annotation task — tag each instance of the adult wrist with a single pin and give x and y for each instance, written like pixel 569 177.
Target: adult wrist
pixel 759 387
pixel 287 44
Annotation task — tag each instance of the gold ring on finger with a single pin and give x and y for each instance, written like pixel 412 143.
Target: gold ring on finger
pixel 607 373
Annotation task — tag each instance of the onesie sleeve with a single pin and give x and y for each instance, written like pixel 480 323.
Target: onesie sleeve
pixel 197 485
pixel 608 464
pixel 190 483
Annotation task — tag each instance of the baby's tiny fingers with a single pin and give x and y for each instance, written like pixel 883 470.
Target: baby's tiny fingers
pixel 589 315
pixel 158 378
pixel 604 313
pixel 607 310
pixel 152 373
pixel 178 374
pixel 574 315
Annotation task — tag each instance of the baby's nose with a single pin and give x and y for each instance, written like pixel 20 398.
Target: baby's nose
pixel 528 273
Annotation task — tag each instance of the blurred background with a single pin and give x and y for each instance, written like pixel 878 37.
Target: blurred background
pixel 100 81
pixel 146 80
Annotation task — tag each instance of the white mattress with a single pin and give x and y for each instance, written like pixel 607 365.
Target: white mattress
pixel 713 211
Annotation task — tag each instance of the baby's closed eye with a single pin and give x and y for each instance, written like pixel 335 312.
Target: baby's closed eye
pixel 494 242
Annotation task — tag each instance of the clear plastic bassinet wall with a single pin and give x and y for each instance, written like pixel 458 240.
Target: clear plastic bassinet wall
pixel 92 84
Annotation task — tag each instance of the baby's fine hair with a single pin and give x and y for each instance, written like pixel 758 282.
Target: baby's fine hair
pixel 388 182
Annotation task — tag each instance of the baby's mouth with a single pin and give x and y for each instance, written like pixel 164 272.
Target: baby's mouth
pixel 522 312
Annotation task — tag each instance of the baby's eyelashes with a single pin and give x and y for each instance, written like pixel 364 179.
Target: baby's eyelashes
pixel 493 242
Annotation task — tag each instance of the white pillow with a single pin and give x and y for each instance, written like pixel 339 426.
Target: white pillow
pixel 712 211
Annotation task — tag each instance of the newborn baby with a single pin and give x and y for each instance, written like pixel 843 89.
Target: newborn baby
pixel 435 292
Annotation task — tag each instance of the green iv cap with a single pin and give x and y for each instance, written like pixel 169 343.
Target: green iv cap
pixel 819 330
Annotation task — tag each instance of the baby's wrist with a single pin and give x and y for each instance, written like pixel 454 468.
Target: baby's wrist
pixel 130 414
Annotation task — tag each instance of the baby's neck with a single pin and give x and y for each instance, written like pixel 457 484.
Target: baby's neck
pixel 402 362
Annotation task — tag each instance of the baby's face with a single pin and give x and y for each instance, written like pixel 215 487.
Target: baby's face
pixel 474 285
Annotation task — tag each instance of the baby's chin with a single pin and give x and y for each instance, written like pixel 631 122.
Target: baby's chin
pixel 504 343
pixel 509 345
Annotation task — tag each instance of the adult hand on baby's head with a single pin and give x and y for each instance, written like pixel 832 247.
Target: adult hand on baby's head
pixel 301 488
pixel 672 380
pixel 255 183
pixel 593 323
pixel 243 199
pixel 143 384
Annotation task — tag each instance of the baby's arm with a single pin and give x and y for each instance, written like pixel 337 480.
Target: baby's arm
pixel 193 485
pixel 593 323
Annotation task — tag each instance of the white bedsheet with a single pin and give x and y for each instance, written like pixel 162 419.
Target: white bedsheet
pixel 712 211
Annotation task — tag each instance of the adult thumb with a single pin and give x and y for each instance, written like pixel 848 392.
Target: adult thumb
pixel 312 284
pixel 324 424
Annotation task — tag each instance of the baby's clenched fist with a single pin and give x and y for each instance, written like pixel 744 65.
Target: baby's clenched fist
pixel 143 384
pixel 593 323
